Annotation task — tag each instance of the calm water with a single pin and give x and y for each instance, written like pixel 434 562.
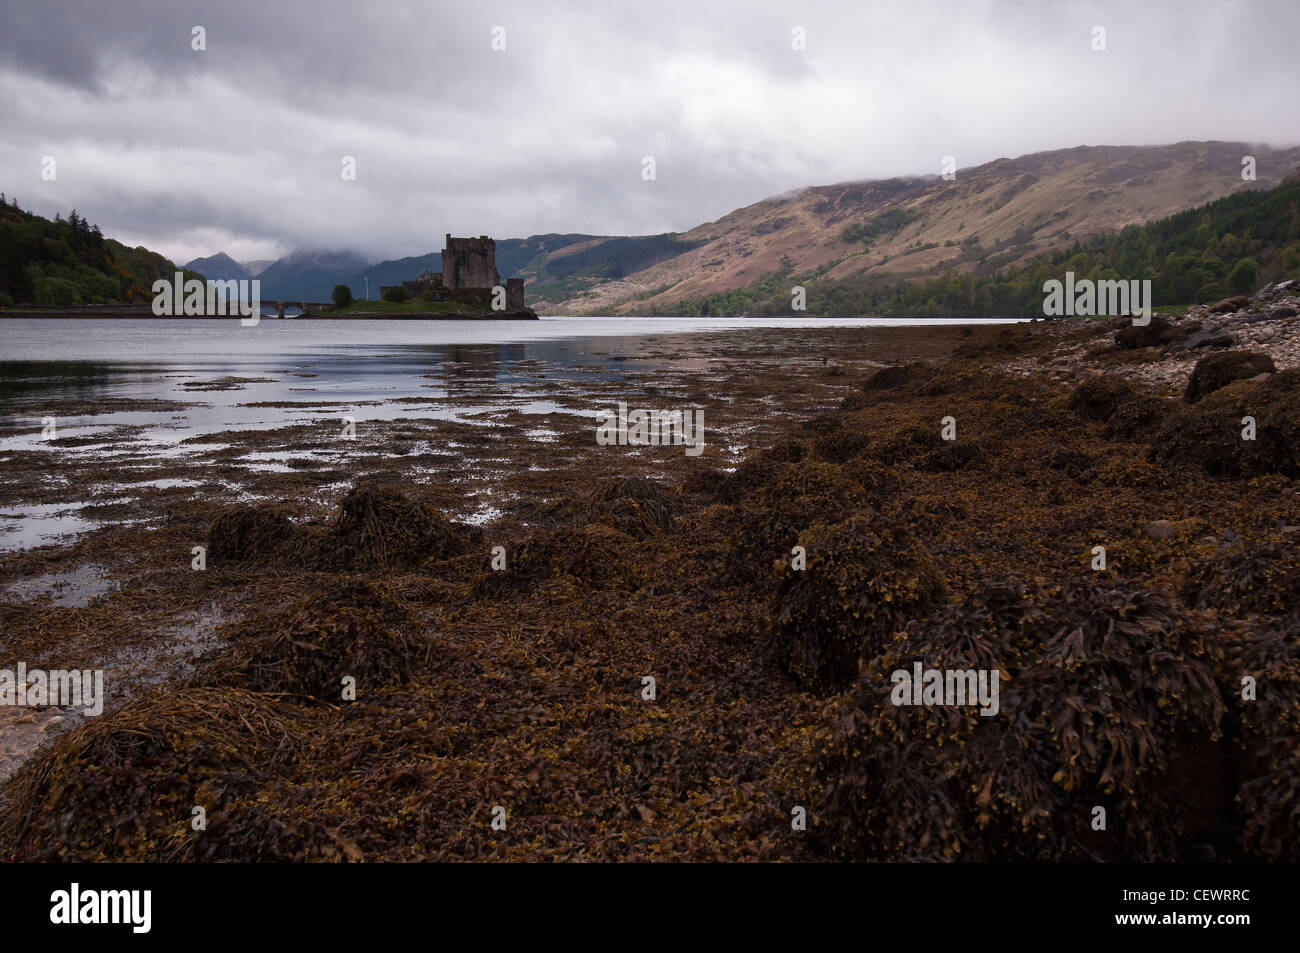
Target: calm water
pixel 92 359
pixel 222 342
pixel 91 371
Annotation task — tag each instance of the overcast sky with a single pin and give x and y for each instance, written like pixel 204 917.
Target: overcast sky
pixel 239 148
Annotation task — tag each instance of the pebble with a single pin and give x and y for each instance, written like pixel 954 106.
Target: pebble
pixel 55 723
pixel 1162 529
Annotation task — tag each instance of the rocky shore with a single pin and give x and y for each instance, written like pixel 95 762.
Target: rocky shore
pixel 642 655
pixel 1164 354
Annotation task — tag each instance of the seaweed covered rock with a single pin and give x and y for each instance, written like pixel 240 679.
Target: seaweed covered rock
pixel 1222 368
pixel 1238 579
pixel 923 447
pixel 1105 696
pixel 889 378
pixel 250 534
pixel 635 505
pixel 592 555
pixel 841 446
pixel 756 470
pixel 1099 397
pixel 786 451
pixel 121 786
pixel 790 499
pixel 1151 334
pixel 1268 734
pixel 1214 434
pixel 1137 416
pixel 1126 409
pixel 381 528
pixel 310 646
pixel 864 580
pixel 1074 463
pixel 1228 305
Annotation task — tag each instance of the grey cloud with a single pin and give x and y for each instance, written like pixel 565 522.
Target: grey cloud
pixel 240 147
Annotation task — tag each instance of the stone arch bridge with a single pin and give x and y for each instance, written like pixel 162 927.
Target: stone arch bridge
pixel 306 307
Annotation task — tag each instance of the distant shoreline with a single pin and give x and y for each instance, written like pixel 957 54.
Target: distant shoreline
pixel 357 316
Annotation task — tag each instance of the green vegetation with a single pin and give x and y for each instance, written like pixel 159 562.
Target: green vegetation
pixel 396 294
pixel 70 262
pixel 888 222
pixel 341 296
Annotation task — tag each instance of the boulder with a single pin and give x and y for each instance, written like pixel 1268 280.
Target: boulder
pixel 1148 335
pixel 1219 370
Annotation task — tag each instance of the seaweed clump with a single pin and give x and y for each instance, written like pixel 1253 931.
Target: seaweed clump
pixel 1099 397
pixel 379 528
pixel 864 579
pixel 1240 579
pixel 1106 698
pixel 592 556
pixel 122 787
pixel 789 499
pixel 250 534
pixel 1220 369
pixel 309 647
pixel 1214 434
pixel 1268 757
pixel 637 506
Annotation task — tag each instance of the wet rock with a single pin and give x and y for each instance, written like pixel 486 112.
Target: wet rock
pixel 1208 338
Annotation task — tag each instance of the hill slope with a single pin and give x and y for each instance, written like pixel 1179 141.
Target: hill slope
pixel 1003 212
pixel 70 262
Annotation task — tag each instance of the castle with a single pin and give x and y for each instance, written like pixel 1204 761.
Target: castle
pixel 469 276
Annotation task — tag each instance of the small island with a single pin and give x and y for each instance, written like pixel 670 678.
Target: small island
pixel 468 287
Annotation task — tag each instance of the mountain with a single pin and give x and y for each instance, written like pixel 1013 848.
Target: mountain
pixel 1202 255
pixel 309 275
pixel 863 236
pixel 256 267
pixel 70 262
pixel 525 257
pixel 884 232
pixel 219 267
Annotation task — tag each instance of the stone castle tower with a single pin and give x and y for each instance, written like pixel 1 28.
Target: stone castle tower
pixel 470 263
pixel 469 275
